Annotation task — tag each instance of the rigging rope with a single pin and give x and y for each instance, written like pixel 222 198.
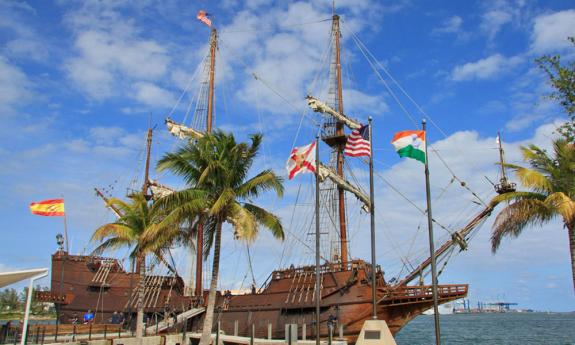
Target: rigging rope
pixel 374 64
pixel 260 29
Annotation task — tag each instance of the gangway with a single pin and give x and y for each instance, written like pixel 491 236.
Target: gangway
pixel 165 324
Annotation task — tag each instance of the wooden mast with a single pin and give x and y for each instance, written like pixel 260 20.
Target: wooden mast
pixel 142 261
pixel 147 169
pixel 200 235
pixel 213 47
pixel 504 185
pixel 340 143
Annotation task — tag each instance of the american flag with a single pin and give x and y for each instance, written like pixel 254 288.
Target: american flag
pixel 203 17
pixel 358 143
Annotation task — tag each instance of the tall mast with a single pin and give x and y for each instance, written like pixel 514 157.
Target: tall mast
pixel 339 138
pixel 147 169
pixel 504 185
pixel 209 118
pixel 142 261
pixel 213 47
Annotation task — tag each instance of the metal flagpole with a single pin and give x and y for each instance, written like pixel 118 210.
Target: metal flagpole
pixel 65 226
pixel 317 280
pixel 372 216
pixel 431 244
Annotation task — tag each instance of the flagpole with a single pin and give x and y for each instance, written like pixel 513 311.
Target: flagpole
pixel 431 244
pixel 65 226
pixel 372 216
pixel 317 277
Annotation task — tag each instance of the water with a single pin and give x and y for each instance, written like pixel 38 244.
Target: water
pixel 492 329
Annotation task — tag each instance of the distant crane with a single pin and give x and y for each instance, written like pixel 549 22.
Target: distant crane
pixel 503 306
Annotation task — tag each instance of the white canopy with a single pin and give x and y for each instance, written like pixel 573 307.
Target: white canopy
pixel 8 278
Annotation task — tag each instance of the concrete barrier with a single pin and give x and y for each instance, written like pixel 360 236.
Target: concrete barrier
pixel 100 342
pixel 155 340
pixel 174 339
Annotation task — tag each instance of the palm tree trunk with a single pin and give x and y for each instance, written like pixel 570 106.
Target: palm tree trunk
pixel 140 306
pixel 571 231
pixel 209 316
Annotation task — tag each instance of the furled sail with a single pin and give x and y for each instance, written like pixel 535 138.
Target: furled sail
pixel 325 172
pixel 181 131
pixel 159 190
pixel 318 106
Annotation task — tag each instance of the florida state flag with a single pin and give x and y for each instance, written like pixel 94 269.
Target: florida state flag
pixel 301 160
pixel 51 208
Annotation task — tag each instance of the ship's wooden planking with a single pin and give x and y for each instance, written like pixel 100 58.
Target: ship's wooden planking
pixel 287 297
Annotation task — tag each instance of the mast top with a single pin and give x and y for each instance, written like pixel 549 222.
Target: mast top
pixel 504 185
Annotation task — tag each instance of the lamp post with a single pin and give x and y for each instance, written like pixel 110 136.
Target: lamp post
pixel 60 241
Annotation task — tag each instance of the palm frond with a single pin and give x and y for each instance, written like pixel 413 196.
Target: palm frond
pixel 266 180
pixel 513 219
pixel 562 205
pixel 244 223
pixel 119 231
pixel 224 200
pixel 516 196
pixel 534 179
pixel 267 219
pixel 111 244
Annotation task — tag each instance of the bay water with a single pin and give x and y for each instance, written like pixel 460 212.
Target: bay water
pixel 492 329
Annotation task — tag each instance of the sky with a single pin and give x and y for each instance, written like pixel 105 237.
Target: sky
pixel 81 81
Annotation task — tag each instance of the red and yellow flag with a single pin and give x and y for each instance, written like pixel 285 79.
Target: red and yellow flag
pixel 52 207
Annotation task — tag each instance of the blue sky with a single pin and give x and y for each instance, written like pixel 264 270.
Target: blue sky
pixel 81 81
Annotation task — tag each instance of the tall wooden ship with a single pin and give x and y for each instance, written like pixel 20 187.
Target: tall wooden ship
pixel 80 283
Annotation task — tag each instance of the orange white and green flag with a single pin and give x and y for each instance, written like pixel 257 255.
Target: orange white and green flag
pixel 410 144
pixel 52 207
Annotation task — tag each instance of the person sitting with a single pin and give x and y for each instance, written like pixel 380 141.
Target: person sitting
pixel 115 318
pixel 88 317
pixel 121 319
pixel 74 320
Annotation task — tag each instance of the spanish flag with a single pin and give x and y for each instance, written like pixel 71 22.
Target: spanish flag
pixel 53 207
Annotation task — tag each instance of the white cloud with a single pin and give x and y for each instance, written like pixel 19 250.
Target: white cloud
pixel 21 38
pixel 493 20
pixel 15 87
pixel 450 25
pixel 522 121
pixel 487 68
pixel 360 105
pixel 499 13
pixel 113 56
pixel 105 59
pixel 550 31
pixel 153 95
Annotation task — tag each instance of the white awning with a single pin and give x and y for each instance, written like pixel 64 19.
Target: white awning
pixel 7 278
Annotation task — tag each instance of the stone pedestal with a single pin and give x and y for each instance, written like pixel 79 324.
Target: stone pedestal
pixel 375 332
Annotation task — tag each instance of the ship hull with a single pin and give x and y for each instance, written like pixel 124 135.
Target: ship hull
pixel 81 283
pixel 346 303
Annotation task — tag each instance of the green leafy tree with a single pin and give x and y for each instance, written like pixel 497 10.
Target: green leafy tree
pixel 36 307
pixel 137 218
pixel 9 300
pixel 550 181
pixel 562 78
pixel 215 169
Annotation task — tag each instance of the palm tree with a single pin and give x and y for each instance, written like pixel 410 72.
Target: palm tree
pixel 215 168
pixel 137 219
pixel 551 184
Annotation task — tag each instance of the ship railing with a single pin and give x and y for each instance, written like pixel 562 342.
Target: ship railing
pixel 423 292
pixel 52 297
pixel 62 333
pixel 330 267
